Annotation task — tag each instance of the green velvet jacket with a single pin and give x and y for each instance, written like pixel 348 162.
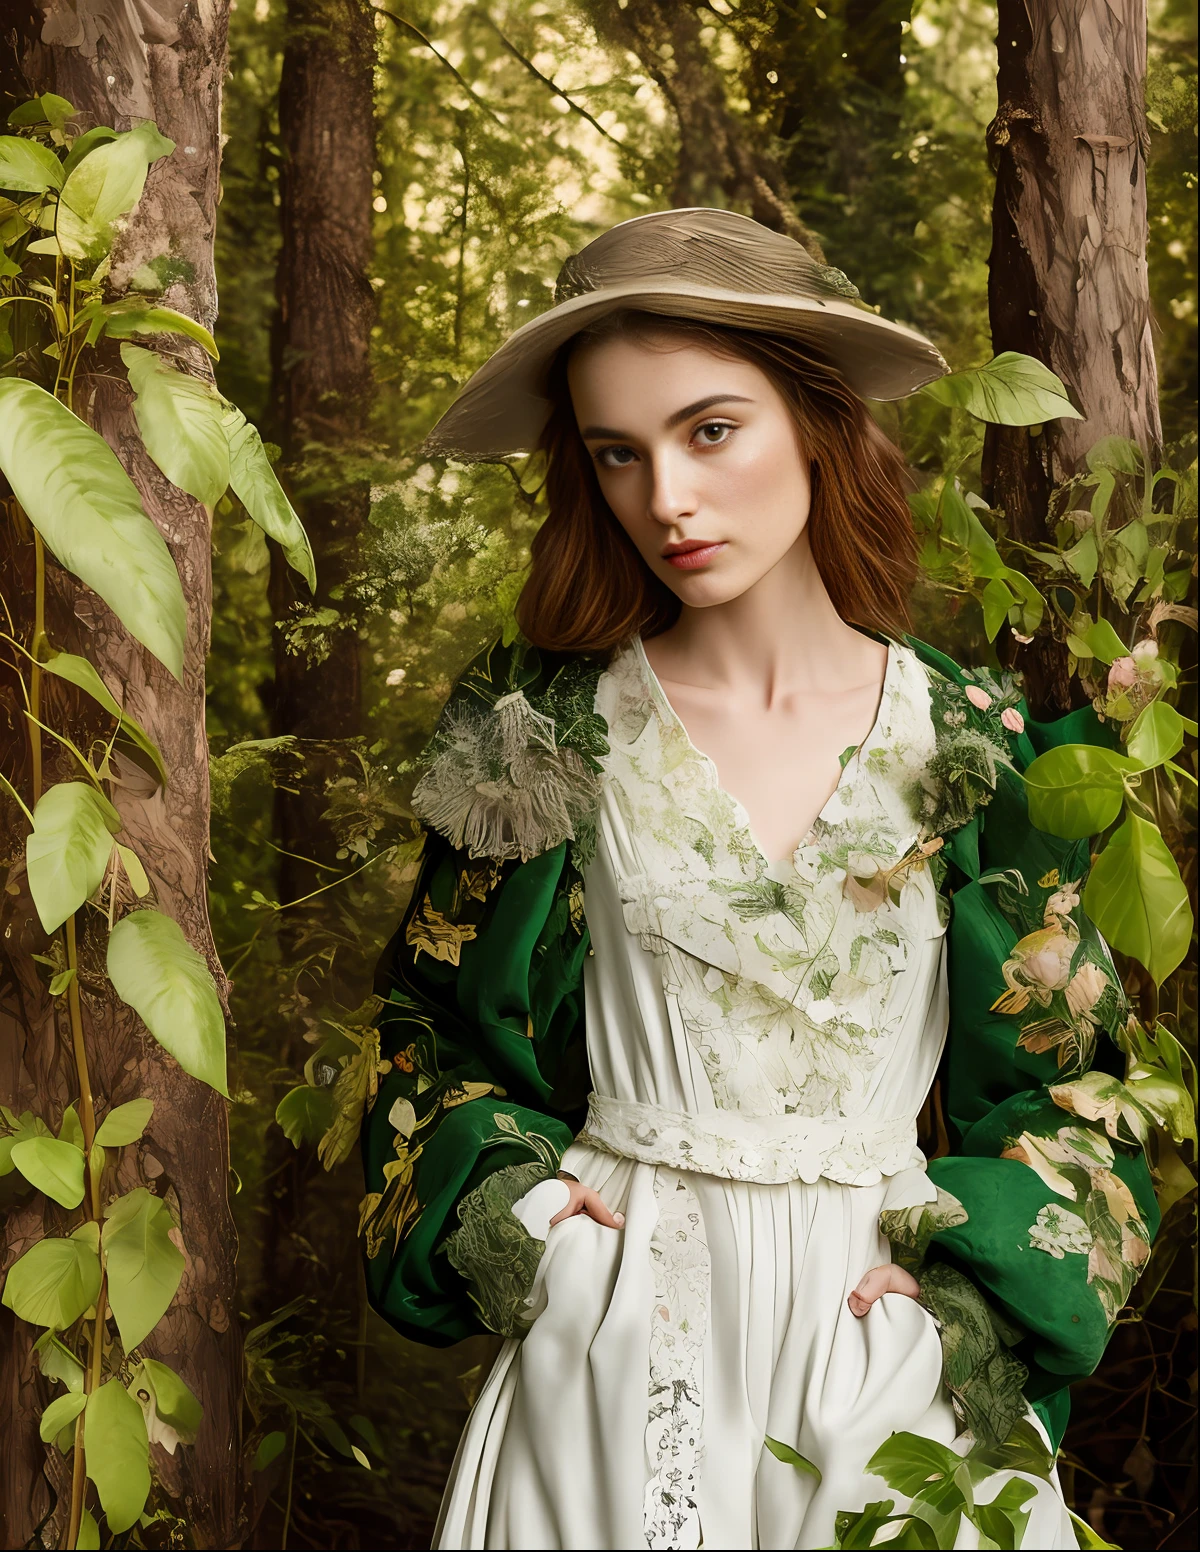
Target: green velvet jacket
pixel 1024 1260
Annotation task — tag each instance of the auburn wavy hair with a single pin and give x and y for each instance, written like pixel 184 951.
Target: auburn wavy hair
pixel 590 591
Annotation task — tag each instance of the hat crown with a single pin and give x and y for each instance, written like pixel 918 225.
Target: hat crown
pixel 709 248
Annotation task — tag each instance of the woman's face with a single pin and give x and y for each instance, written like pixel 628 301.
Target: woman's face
pixel 698 457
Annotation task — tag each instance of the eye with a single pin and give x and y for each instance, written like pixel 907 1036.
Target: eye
pixel 615 457
pixel 713 433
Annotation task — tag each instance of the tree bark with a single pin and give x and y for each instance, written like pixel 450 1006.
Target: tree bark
pixel 719 161
pixel 323 392
pixel 1068 277
pixel 120 65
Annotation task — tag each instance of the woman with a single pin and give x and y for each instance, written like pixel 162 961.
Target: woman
pixel 713 804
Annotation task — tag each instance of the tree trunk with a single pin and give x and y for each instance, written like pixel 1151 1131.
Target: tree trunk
pixel 120 66
pixel 323 393
pixel 1068 277
pixel 719 161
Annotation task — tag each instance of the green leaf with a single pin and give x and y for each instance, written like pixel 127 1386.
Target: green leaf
pixel 997 600
pixel 1011 390
pixel 907 1462
pixel 125 1123
pixel 19 1130
pixel 28 167
pixel 256 487
pixel 791 1457
pixel 1156 736
pixel 61 1411
pixel 46 109
pixel 71 1129
pixel 144 1264
pixel 305 1113
pixel 68 849
pixel 1076 790
pixel 1115 452
pixel 1103 642
pixel 270 1446
pixel 1087 1539
pixel 105 185
pixel 134 871
pixel 86 143
pixel 55 1280
pixel 180 419
pixel 61 982
pixel 52 1167
pixel 172 1413
pixel 88 1539
pixel 86 508
pixel 124 319
pixel 1137 899
pixel 118 1454
pixel 1084 558
pixel 58 1362
pixel 79 672
pixel 158 973
pixel 1003 1519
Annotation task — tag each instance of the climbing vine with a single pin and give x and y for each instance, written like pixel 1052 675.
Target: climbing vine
pixel 98 1289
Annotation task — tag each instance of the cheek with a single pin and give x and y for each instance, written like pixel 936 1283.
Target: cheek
pixel 768 489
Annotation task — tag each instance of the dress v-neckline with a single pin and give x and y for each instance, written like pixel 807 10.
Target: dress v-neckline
pixel 662 702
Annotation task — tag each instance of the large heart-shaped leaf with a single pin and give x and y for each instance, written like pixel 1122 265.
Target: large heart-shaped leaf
pixel 118 1454
pixel 1137 899
pixel 305 1114
pixel 907 1461
pixel 1010 390
pixel 27 167
pixel 79 672
pixel 173 1415
pixel 1076 790
pixel 55 1168
pixel 87 509
pixel 144 1264
pixel 255 485
pixel 68 849
pixel 103 186
pixel 180 419
pixel 158 973
pixel 56 1279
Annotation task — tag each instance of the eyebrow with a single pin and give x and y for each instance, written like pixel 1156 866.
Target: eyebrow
pixel 590 433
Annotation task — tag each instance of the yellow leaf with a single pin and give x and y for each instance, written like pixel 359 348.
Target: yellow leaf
pixel 431 933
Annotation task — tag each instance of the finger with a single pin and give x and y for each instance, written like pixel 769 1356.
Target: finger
pixel 858 1305
pixel 594 1206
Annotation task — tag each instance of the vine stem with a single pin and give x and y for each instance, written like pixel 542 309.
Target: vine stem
pixel 87 1120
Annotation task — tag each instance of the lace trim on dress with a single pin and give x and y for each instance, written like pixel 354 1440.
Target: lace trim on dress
pixel 768 1150
pixel 679 1320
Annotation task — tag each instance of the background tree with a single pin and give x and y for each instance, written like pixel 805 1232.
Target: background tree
pixel 167 66
pixel 1068 275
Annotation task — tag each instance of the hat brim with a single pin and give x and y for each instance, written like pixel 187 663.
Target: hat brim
pixel 503 408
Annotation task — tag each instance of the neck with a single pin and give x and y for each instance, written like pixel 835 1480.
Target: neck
pixel 781 635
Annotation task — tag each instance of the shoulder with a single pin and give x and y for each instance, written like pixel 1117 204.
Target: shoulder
pixel 513 767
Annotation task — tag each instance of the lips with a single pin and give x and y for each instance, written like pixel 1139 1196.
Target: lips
pixel 692 555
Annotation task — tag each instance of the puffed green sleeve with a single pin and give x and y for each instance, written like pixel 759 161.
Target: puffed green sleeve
pixel 481 1030
pixel 1046 1207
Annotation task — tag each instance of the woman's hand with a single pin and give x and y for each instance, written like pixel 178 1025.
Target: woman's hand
pixel 882 1279
pixel 584 1200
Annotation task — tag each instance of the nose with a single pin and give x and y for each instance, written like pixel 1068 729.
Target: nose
pixel 672 496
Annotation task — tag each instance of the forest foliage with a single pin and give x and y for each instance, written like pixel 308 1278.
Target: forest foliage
pixel 506 136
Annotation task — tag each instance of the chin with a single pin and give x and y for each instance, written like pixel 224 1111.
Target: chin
pixel 704 589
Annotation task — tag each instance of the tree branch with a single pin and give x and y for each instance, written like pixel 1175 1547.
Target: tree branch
pixel 437 54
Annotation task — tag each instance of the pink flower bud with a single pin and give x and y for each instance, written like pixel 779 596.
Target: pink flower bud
pixel 1123 674
pixel 1012 719
pixel 978 697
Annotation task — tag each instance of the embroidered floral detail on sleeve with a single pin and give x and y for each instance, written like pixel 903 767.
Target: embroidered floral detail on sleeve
pixel 1076 1164
pixel 1059 1232
pixel 971 733
pixel 429 932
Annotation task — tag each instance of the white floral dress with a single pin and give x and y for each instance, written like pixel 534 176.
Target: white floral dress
pixel 761 1038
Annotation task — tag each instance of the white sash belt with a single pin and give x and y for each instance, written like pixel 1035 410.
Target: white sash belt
pixel 766 1149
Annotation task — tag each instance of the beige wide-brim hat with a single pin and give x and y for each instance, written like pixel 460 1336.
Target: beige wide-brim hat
pixel 709 265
